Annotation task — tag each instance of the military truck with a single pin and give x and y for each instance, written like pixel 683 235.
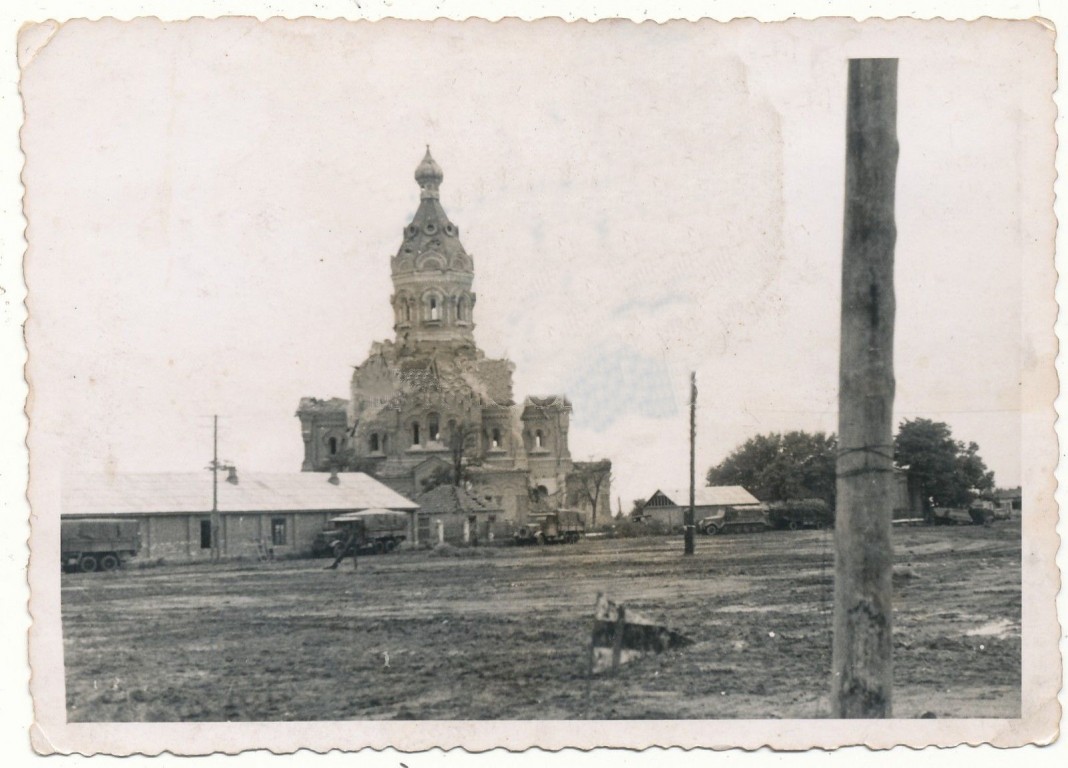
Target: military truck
pixel 742 519
pixel 802 513
pixel 565 526
pixel 100 544
pixel 978 513
pixel 380 531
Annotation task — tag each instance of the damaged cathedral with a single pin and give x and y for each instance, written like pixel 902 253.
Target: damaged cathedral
pixel 429 409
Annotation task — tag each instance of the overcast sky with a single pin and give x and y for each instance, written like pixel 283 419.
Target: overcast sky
pixel 213 206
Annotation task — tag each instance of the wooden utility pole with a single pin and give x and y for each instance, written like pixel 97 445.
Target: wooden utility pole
pixel 693 437
pixel 216 553
pixel 862 661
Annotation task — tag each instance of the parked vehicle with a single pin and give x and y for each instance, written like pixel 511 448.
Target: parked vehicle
pixel 327 541
pixel 802 513
pixel 748 519
pixel 1003 511
pixel 97 545
pixel 379 531
pixel 978 513
pixel 564 526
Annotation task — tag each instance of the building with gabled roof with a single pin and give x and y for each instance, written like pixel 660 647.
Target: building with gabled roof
pixel 282 512
pixel 430 395
pixel 460 515
pixel 668 506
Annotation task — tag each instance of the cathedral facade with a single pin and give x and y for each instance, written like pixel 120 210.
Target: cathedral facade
pixel 428 407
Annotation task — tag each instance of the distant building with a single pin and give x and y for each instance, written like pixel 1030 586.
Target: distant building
pixel 464 518
pixel 669 506
pixel 908 502
pixel 258 511
pixel 1010 498
pixel 430 399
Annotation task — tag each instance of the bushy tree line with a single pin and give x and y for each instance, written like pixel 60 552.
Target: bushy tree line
pixel 780 466
pixel 800 465
pixel 951 472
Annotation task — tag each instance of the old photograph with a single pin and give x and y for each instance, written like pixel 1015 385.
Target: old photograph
pixel 693 379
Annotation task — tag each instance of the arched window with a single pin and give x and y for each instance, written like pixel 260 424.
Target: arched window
pixel 407 312
pixel 461 309
pixel 433 427
pixel 538 440
pixel 332 443
pixel 435 310
pixel 496 441
pixel 374 442
pixel 385 443
pixel 415 433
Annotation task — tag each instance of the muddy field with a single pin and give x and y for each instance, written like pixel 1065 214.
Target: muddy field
pixel 502 633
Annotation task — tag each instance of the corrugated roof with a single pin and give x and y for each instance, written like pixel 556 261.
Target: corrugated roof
pixel 190 492
pixel 711 496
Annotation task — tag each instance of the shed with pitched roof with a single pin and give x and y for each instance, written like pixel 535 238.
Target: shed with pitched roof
pixel 668 506
pixel 277 512
pixel 461 516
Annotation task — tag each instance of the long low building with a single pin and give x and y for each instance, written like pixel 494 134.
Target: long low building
pixel 258 512
pixel 669 506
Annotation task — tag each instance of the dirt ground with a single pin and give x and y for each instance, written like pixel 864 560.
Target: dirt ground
pixel 502 633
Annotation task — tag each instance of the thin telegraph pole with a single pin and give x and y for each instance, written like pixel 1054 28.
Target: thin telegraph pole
pixel 216 553
pixel 862 663
pixel 693 437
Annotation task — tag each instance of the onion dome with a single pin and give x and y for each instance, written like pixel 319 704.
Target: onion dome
pixel 431 241
pixel 429 175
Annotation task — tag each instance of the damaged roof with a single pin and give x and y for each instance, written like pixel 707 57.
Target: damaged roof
pixel 452 500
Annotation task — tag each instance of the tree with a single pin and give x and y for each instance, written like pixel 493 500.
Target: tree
pixel 440 475
pixel 950 472
pixel 637 508
pixel 777 467
pixel 462 441
pixel 592 479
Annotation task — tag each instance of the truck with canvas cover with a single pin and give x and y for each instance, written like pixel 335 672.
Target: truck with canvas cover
pixel 99 544
pixel 800 513
pixel 379 531
pixel 741 519
pixel 564 526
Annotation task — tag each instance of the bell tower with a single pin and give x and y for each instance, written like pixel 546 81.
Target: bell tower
pixel 432 274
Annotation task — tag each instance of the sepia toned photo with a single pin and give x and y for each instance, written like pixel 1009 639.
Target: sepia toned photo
pixel 684 384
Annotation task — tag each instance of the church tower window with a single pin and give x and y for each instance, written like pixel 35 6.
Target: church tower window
pixel 538 440
pixel 374 442
pixel 332 445
pixel 435 310
pixel 496 443
pixel 433 427
pixel 415 433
